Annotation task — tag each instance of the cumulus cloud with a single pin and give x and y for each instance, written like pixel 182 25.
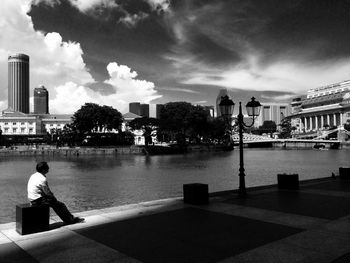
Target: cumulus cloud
pixel 60 67
pixel 128 87
pixel 71 96
pixel 52 61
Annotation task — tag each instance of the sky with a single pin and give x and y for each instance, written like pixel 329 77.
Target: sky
pixel 113 52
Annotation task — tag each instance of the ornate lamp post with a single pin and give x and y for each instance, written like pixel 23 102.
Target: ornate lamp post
pixel 226 107
pixel 253 109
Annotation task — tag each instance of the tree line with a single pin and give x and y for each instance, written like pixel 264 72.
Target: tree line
pixel 179 122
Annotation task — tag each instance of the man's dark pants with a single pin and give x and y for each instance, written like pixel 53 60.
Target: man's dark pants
pixel 59 207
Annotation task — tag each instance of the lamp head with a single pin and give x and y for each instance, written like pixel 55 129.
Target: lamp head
pixel 226 106
pixel 253 107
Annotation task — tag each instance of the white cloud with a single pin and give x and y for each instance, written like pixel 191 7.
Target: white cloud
pixel 181 90
pixel 86 5
pixel 132 20
pixel 70 96
pixel 128 88
pixel 159 5
pixel 52 61
pixel 59 66
pixel 285 76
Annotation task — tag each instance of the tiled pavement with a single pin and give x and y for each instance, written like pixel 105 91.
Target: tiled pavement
pixel 308 225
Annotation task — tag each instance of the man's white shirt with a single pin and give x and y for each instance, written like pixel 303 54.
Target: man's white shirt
pixel 37 186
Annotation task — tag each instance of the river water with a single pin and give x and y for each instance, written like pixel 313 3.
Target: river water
pixel 92 182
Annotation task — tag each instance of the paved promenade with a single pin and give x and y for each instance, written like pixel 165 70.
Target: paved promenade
pixel 308 225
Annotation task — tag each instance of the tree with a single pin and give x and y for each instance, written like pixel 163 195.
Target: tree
pixel 286 128
pixel 92 117
pixel 147 125
pixel 199 123
pixel 181 120
pixel 218 128
pixel 268 127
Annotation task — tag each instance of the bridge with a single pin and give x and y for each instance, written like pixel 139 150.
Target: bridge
pixel 314 140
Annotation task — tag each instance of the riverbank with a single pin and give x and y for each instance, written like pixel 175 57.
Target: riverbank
pixel 47 150
pixel 306 225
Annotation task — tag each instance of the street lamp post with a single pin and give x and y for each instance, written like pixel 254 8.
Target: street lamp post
pixel 253 109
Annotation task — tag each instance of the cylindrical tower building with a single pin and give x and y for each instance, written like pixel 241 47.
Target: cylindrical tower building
pixel 18 82
pixel 41 100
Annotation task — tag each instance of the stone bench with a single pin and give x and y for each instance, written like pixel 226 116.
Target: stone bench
pixel 288 181
pixel 196 194
pixel 32 219
pixel 344 173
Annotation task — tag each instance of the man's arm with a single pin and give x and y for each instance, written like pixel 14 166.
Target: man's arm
pixel 45 189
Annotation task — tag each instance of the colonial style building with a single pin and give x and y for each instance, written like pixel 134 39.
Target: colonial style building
pixel 323 107
pixel 19 123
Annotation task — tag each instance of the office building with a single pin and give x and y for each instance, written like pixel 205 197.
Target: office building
pixel 144 110
pixel 41 100
pixel 273 112
pixel 159 108
pixel 18 83
pixel 135 107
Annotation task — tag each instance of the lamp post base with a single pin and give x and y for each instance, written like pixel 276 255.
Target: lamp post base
pixel 242 193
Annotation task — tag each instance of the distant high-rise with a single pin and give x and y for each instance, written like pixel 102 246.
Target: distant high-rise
pixel 18 83
pixel 135 107
pixel 41 100
pixel 222 93
pixel 144 110
pixel 159 108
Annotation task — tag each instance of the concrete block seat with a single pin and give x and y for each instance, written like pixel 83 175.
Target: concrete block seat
pixel 32 219
pixel 344 173
pixel 288 181
pixel 196 194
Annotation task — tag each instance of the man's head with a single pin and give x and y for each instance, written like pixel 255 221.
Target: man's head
pixel 42 167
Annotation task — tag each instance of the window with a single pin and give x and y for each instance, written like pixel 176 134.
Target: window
pixel 22 123
pixel 348 114
pixel 6 123
pixel 14 123
pixel 31 130
pixel 14 130
pixel 6 130
pixel 51 125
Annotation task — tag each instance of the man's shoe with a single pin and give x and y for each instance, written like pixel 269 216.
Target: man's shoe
pixel 78 220
pixel 75 220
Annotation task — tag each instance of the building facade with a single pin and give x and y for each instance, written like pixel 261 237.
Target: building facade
pixel 273 112
pixel 41 100
pixel 135 107
pixel 144 110
pixel 323 107
pixel 18 123
pixel 18 83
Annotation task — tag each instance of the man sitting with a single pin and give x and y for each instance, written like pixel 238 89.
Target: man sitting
pixel 39 193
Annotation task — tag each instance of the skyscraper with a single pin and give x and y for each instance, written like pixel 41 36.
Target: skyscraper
pixel 144 110
pixel 18 82
pixel 159 108
pixel 135 107
pixel 41 100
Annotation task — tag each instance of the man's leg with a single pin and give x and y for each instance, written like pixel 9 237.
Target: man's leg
pixel 59 207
